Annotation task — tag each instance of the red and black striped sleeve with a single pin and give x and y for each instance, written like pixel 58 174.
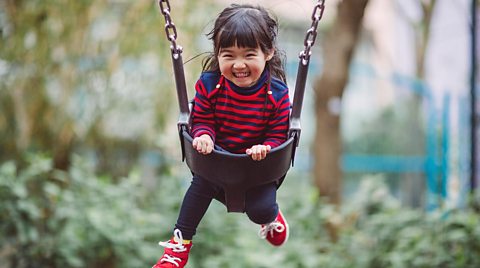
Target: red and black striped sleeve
pixel 279 123
pixel 203 121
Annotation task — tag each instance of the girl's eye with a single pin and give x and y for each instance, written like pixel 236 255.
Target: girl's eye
pixel 251 55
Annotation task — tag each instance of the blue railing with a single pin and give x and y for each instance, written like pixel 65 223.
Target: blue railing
pixel 434 164
pixel 384 163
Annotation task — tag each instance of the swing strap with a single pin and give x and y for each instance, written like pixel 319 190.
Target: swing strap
pixel 302 72
pixel 305 59
pixel 176 51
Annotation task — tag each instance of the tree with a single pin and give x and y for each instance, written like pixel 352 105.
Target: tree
pixel 32 33
pixel 413 185
pixel 55 54
pixel 339 47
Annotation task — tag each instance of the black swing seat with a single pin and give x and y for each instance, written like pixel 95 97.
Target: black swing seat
pixel 236 173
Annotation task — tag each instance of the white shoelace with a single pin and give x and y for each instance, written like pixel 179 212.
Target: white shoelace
pixel 270 228
pixel 176 247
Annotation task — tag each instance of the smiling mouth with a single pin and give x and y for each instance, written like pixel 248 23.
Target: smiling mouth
pixel 241 75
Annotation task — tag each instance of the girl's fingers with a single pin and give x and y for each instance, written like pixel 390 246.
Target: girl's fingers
pixel 258 152
pixel 195 143
pixel 209 147
pixel 202 145
pixel 264 152
pixel 255 156
pixel 206 147
pixel 254 152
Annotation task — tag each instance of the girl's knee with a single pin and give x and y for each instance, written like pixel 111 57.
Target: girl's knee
pixel 262 214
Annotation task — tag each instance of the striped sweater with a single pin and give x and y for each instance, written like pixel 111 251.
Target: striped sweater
pixel 238 118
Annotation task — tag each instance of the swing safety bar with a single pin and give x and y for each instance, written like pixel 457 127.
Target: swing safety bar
pixel 237 173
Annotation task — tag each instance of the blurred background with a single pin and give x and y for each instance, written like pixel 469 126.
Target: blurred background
pixel 90 163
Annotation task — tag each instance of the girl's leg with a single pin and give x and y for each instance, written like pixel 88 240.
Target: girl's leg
pixel 195 203
pixel 262 208
pixel 261 203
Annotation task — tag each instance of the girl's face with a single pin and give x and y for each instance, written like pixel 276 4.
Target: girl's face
pixel 241 65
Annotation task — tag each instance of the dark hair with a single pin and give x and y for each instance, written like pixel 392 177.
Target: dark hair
pixel 246 26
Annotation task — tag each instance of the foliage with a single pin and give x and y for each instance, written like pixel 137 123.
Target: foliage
pixel 374 231
pixel 389 132
pixel 88 75
pixel 387 235
pixel 51 218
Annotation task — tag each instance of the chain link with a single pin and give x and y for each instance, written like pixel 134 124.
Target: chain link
pixel 170 29
pixel 312 31
pixel 311 36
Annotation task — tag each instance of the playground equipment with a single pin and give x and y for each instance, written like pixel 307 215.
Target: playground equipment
pixel 237 173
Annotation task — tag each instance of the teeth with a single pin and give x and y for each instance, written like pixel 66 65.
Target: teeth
pixel 240 75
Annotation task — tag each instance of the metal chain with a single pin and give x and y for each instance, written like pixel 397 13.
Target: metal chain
pixel 312 31
pixel 170 29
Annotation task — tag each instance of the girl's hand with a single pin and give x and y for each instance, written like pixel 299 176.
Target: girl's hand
pixel 259 152
pixel 203 144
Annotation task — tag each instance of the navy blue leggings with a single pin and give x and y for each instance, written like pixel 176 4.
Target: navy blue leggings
pixel 260 204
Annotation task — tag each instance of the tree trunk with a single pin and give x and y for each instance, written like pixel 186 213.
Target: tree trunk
pixel 339 46
pixel 413 186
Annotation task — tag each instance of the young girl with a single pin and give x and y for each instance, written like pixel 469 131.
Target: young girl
pixel 241 105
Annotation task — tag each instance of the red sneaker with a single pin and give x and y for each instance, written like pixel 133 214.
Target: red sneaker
pixel 176 252
pixel 276 232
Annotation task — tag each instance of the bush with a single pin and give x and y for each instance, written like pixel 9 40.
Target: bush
pixel 54 219
pixel 75 219
pixel 386 235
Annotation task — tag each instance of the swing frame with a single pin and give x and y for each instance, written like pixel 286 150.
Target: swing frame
pixel 237 173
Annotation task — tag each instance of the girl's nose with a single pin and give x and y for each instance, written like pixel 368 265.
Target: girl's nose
pixel 239 64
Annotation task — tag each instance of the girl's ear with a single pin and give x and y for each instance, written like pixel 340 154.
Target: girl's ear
pixel 270 55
